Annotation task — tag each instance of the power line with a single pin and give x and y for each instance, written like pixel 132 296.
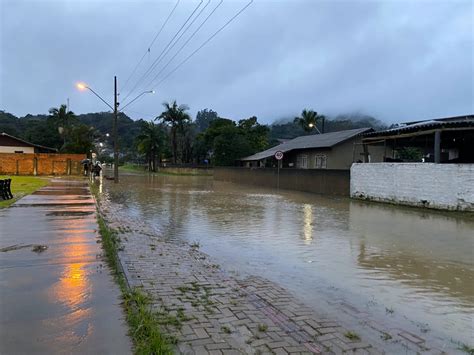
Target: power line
pixel 185 43
pixel 180 36
pixel 205 42
pixel 165 50
pixel 141 113
pixel 151 44
pixel 166 47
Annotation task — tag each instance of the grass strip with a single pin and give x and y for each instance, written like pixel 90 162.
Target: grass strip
pixel 144 324
pixel 162 171
pixel 22 186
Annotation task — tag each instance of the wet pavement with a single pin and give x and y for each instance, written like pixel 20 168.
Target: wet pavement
pixel 57 295
pixel 401 277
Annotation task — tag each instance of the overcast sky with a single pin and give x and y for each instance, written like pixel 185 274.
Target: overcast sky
pixel 395 60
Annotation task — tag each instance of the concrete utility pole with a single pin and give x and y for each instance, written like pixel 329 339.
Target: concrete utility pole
pixel 437 147
pixel 115 109
pixel 116 155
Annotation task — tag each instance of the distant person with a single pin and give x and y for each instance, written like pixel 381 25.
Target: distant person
pixel 85 164
pixel 97 168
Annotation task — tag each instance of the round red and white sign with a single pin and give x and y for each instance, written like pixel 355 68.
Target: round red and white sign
pixel 279 155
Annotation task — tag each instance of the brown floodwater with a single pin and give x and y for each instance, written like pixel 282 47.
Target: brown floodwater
pixel 399 267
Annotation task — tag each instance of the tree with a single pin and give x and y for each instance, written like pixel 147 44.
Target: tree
pixel 308 120
pixel 63 119
pixel 255 133
pixel 227 141
pixel 80 139
pixel 410 154
pixel 150 142
pixel 43 132
pixel 204 119
pixel 176 118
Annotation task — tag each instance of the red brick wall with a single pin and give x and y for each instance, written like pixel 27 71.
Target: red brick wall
pixel 46 164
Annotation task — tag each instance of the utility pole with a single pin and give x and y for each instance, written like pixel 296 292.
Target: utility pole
pixel 115 109
pixel 116 157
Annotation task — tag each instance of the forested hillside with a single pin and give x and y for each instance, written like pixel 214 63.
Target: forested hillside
pixel 174 136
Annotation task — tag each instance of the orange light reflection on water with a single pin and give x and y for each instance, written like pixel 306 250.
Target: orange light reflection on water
pixel 74 288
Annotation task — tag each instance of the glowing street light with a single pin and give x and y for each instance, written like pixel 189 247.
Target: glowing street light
pixel 82 86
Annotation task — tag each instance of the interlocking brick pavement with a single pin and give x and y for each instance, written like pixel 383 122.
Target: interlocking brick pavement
pixel 218 312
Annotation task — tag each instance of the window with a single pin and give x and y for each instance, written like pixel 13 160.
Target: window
pixel 302 162
pixel 321 161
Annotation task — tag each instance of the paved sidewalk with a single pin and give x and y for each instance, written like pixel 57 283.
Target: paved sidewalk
pixel 56 294
pixel 212 312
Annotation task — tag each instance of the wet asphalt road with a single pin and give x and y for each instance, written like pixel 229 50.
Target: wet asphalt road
pixel 61 300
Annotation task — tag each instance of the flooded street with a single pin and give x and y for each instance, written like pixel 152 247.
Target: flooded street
pixel 369 264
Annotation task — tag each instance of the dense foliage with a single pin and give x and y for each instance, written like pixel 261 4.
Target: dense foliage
pixel 173 138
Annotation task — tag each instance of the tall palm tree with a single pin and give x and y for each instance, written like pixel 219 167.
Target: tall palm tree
pixel 308 120
pixel 176 117
pixel 150 142
pixel 63 119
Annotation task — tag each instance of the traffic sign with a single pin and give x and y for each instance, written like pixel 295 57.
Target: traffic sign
pixel 279 155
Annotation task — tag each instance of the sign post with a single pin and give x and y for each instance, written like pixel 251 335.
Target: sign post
pixel 278 157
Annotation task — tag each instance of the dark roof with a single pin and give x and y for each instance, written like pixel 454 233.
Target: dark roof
pixel 325 140
pixel 28 144
pixel 458 121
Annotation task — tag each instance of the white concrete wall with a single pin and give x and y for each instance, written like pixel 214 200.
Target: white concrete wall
pixel 8 149
pixel 440 186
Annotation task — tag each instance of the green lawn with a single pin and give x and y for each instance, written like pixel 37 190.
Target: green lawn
pixel 133 167
pixel 22 186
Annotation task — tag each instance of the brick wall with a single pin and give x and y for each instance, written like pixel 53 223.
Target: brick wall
pixel 41 164
pixel 322 181
pixel 440 186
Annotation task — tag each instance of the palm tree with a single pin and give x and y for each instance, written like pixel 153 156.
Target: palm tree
pixel 176 118
pixel 308 120
pixel 63 119
pixel 150 142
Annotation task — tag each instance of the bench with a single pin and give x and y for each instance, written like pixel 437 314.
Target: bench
pixel 5 189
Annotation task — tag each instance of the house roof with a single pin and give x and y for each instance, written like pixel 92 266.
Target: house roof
pixel 325 140
pixel 27 144
pixel 448 122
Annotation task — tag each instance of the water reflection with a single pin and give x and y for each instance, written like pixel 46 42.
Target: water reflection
pixel 308 223
pixel 73 289
pixel 417 261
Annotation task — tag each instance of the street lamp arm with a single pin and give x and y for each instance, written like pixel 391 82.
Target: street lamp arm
pixel 136 98
pixel 96 94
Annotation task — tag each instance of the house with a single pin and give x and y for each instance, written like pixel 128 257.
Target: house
pixel 10 144
pixel 334 150
pixel 440 140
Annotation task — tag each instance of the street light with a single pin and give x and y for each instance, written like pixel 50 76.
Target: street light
pixel 312 125
pixel 136 98
pixel 82 86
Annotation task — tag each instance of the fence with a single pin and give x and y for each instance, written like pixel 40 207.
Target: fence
pixel 322 181
pixel 41 164
pixel 439 186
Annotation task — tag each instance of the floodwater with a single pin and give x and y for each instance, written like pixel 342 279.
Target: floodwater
pixel 388 266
